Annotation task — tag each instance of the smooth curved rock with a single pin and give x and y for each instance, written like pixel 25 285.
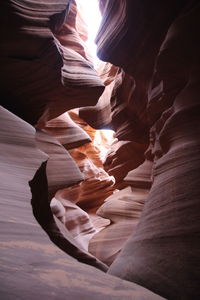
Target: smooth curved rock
pixel 62 171
pixel 100 115
pixel 141 176
pixel 122 107
pixel 123 209
pixel 31 266
pixel 122 157
pixel 76 220
pixel 151 97
pixel 163 254
pixel 129 28
pixel 67 132
pixel 96 187
pixel 46 81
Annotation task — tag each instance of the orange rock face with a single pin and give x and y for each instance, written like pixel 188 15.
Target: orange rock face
pixel 27 255
pixel 165 240
pixel 131 203
pixel 44 60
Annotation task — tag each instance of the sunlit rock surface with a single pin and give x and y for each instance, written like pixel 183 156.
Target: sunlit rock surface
pixel 67 132
pixel 49 74
pixel 141 177
pixel 142 217
pixel 19 229
pixel 100 115
pixel 76 220
pixel 32 266
pixel 61 169
pixel 166 241
pixel 76 194
pixel 123 157
pixel 123 209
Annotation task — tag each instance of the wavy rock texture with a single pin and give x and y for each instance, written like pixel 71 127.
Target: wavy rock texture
pixel 18 171
pixel 62 172
pixel 42 58
pixel 82 224
pixel 31 266
pixel 61 169
pixel 76 220
pixel 151 100
pixel 123 209
pixel 116 32
pixel 92 150
pixel 163 254
pixel 141 177
pixel 98 185
pixel 63 176
pixel 121 107
pixel 123 157
pixel 99 116
pixel 96 188
pixel 67 132
pixel 120 110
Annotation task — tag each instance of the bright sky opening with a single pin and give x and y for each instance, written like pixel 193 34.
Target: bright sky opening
pixel 92 18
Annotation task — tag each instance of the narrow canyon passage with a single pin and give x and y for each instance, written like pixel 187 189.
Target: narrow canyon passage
pixel 103 210
pixel 99 147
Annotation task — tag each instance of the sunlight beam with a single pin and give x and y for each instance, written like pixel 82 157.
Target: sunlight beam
pixel 92 17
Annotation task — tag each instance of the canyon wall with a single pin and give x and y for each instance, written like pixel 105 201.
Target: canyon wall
pixel 135 212
pixel 158 45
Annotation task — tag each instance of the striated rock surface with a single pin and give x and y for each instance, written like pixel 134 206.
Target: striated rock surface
pixel 49 74
pixel 61 169
pixel 121 107
pixel 62 172
pixel 151 101
pixel 163 254
pixel 17 173
pixel 100 115
pixel 98 185
pixel 150 24
pixel 31 266
pixel 123 157
pixel 76 220
pixel 70 197
pixel 123 209
pixel 142 176
pixel 67 132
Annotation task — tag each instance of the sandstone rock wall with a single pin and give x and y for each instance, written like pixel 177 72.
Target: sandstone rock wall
pixel 147 91
pixel 165 243
pixel 36 85
pixel 32 266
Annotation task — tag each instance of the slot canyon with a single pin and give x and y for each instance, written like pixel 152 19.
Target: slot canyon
pixel 100 160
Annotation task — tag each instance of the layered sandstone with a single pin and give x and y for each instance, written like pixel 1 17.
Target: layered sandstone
pixel 165 240
pixel 67 132
pixel 32 266
pixel 42 57
pixel 141 217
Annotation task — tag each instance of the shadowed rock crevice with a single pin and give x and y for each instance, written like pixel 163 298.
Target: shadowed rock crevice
pixel 44 216
pixel 130 204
